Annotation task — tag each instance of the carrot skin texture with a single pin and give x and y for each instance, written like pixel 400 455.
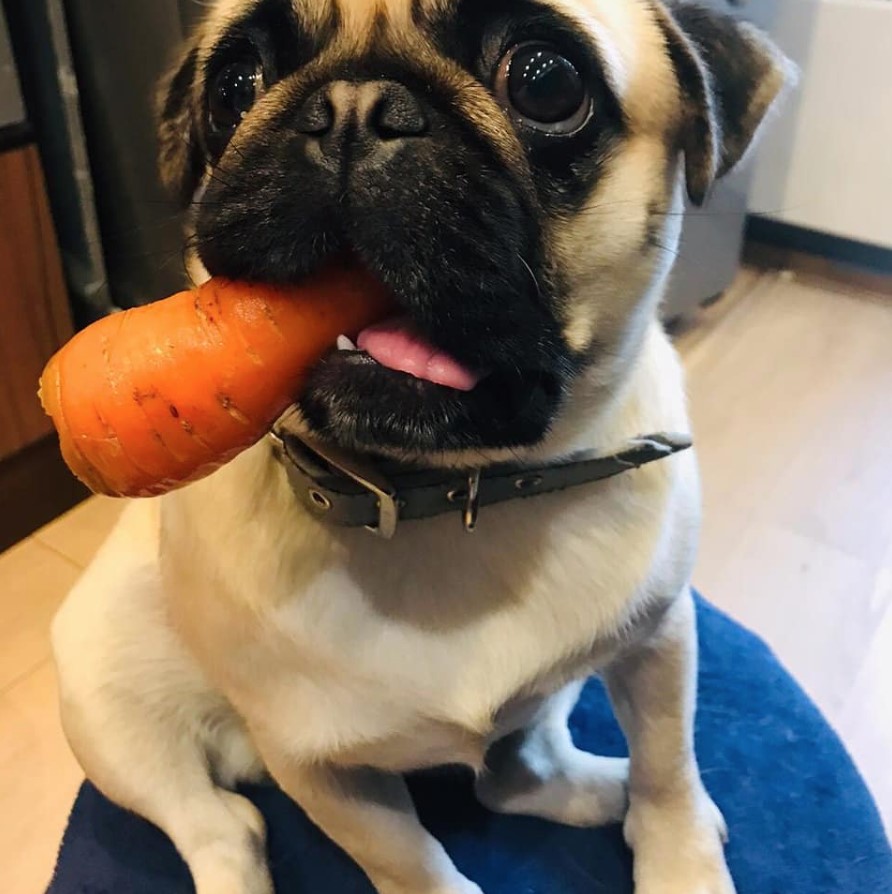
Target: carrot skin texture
pixel 154 398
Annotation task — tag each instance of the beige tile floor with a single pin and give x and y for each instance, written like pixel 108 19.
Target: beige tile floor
pixel 791 393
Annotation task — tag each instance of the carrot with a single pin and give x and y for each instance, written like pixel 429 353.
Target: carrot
pixel 153 398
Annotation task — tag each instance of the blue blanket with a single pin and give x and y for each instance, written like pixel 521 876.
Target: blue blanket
pixel 801 819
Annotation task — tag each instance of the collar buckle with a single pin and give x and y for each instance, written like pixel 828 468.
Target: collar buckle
pixel 362 473
pixel 366 476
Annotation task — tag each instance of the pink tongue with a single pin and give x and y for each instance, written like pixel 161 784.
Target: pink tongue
pixel 396 345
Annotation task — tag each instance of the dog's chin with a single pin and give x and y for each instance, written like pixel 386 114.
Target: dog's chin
pixel 355 402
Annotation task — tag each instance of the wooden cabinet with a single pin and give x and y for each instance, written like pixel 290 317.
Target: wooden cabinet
pixel 34 315
pixel 35 320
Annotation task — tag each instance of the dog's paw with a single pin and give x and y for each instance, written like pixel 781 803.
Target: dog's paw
pixel 457 885
pixel 465 886
pixel 237 865
pixel 679 849
pixel 581 790
pixel 217 869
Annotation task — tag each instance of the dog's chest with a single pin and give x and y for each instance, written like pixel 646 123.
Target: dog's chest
pixel 422 651
pixel 383 693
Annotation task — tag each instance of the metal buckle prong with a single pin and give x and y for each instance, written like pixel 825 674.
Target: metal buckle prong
pixel 472 504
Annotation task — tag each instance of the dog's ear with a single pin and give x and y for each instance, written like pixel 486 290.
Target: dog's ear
pixel 181 157
pixel 729 76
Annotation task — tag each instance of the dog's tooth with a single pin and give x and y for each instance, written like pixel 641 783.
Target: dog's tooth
pixel 345 344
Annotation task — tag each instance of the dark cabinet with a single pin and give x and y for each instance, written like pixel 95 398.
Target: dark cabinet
pixel 34 314
pixel 35 321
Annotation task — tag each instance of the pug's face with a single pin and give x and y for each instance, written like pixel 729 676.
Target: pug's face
pixel 508 168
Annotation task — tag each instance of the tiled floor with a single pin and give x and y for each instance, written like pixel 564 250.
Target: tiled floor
pixel 791 395
pixel 790 387
pixel 38 775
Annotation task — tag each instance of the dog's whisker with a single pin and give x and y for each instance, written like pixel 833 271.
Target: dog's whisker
pixel 532 275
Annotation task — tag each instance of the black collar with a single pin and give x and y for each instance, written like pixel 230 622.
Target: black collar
pixel 355 492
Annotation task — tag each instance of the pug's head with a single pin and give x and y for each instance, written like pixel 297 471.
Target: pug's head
pixel 511 169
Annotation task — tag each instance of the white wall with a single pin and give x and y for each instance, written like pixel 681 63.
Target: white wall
pixel 826 163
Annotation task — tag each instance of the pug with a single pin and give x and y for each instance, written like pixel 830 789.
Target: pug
pixel 515 172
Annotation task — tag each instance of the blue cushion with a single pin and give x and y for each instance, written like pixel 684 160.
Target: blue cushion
pixel 801 819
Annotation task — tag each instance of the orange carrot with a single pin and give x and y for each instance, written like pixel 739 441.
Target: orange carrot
pixel 148 400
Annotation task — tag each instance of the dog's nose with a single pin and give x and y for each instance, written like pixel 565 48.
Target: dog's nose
pixel 361 123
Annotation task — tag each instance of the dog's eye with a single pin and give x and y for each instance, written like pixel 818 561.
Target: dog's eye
pixel 544 88
pixel 233 92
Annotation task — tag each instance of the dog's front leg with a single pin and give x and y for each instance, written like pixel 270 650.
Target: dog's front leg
pixel 675 830
pixel 371 816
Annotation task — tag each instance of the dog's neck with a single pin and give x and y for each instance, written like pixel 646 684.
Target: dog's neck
pixel 610 429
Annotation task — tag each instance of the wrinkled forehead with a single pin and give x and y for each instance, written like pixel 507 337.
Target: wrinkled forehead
pixel 625 32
